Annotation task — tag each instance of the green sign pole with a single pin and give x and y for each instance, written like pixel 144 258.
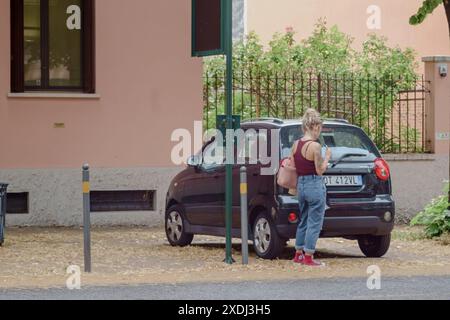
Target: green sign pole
pixel 229 142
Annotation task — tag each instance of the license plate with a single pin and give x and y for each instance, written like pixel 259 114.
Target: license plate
pixel 343 181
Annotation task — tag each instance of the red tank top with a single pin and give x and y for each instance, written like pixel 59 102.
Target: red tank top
pixel 304 166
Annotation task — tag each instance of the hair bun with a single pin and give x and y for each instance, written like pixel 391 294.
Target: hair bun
pixel 311 119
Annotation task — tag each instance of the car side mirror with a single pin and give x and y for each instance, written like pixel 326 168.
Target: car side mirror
pixel 194 161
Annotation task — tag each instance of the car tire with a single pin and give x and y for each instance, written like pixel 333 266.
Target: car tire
pixel 266 241
pixel 175 227
pixel 374 246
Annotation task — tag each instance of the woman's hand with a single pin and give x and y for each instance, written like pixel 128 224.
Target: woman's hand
pixel 321 163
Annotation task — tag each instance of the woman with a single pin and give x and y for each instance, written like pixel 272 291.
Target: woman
pixel 312 194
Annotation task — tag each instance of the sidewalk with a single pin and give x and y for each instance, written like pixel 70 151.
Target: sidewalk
pixel 34 257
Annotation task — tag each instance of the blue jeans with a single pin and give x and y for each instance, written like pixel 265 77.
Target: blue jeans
pixel 312 195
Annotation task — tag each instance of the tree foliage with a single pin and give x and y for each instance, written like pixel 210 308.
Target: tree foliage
pixel 323 71
pixel 427 8
pixel 326 51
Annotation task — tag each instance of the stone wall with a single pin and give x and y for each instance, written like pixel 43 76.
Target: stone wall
pixel 55 197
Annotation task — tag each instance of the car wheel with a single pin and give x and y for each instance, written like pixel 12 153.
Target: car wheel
pixel 266 241
pixel 175 227
pixel 374 246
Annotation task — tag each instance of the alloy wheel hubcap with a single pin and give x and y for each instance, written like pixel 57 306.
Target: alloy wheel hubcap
pixel 174 226
pixel 262 235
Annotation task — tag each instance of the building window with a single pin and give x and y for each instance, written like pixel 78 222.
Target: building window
pixel 17 203
pixel 52 44
pixel 122 201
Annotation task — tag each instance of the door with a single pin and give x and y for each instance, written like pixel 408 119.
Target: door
pixel 203 196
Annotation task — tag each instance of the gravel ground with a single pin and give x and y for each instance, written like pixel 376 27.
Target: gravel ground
pixel 34 257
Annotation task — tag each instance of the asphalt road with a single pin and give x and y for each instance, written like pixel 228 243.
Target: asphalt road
pixel 428 288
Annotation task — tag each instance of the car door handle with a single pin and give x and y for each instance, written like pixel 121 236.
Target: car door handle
pixel 216 177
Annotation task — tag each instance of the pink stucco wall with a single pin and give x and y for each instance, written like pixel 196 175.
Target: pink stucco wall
pixel 438 104
pixel 148 86
pixel 431 38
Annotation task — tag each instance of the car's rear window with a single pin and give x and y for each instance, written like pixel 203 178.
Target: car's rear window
pixel 340 139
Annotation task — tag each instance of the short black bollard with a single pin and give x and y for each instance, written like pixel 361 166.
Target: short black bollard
pixel 244 215
pixel 87 219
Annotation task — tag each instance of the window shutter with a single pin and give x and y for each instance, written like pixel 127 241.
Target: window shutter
pixel 89 46
pixel 17 46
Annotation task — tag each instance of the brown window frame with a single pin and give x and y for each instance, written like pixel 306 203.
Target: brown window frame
pixel 17 49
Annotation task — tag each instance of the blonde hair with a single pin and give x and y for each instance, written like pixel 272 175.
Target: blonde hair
pixel 311 119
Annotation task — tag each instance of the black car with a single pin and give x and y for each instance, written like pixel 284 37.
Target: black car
pixel 360 205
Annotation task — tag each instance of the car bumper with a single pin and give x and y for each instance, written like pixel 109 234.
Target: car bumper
pixel 347 219
pixel 344 227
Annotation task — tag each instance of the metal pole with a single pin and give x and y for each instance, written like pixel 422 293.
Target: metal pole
pixel 3 196
pixel 87 219
pixel 244 215
pixel 229 142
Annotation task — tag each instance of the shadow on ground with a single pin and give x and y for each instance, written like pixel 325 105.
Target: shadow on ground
pixel 287 254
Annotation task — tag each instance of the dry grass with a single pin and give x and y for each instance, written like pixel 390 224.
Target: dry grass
pixel 445 239
pixel 35 257
pixel 407 233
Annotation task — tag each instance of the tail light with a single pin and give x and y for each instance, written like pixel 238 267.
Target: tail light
pixel 293 218
pixel 382 170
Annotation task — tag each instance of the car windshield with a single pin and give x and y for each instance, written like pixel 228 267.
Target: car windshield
pixel 342 140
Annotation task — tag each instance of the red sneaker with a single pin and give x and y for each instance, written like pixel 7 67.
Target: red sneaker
pixel 309 261
pixel 299 257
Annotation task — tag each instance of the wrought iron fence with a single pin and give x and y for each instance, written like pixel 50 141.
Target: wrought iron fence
pixel 391 109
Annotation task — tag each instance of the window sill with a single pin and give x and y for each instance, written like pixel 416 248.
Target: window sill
pixel 53 95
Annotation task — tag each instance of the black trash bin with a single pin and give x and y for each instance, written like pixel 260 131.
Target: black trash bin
pixel 3 189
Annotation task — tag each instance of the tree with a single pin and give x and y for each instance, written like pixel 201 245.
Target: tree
pixel 427 8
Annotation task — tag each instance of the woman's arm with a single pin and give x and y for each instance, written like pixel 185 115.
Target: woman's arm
pixel 294 149
pixel 320 162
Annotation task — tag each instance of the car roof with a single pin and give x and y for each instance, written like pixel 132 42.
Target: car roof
pixel 279 123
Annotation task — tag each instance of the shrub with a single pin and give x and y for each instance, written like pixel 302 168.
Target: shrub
pixel 327 51
pixel 435 217
pixel 282 78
